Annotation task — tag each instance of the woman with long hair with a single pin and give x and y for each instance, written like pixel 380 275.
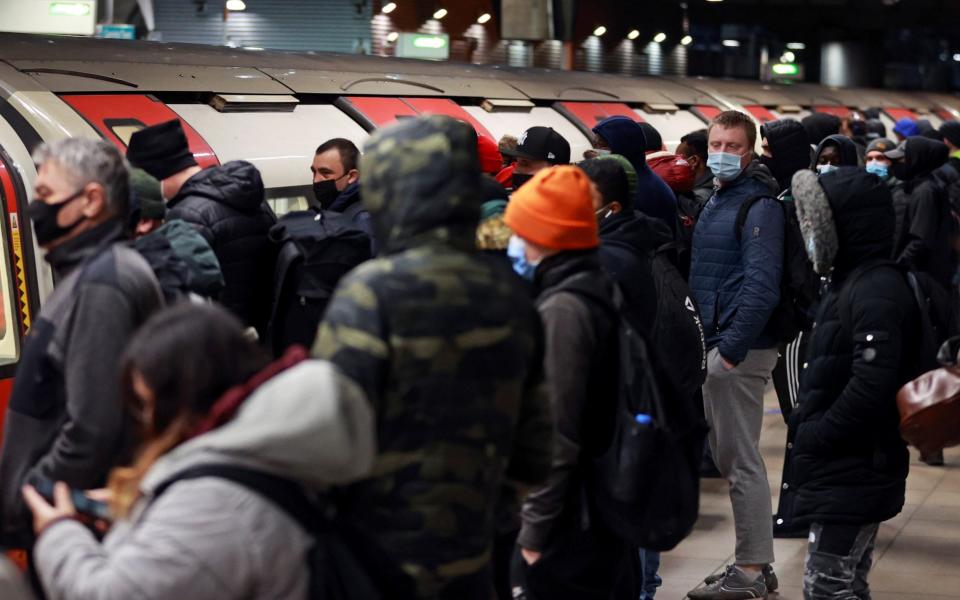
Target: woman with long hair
pixel 203 395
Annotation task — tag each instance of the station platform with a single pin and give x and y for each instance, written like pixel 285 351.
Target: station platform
pixel 916 555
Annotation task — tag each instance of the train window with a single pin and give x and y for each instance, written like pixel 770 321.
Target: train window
pixel 445 106
pixel 760 113
pixel 672 125
pixel 515 123
pixel 945 115
pixel 900 113
pixel 586 115
pixel 288 199
pixel 837 111
pixel 705 111
pixel 280 144
pixel 118 116
pixel 372 112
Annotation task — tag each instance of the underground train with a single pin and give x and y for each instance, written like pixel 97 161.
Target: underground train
pixel 274 108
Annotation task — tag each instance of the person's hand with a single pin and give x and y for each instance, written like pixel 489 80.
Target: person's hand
pixel 43 513
pixel 530 556
pixel 104 495
pixel 729 366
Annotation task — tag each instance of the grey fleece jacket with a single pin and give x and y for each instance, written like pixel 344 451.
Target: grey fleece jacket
pixel 65 420
pixel 212 539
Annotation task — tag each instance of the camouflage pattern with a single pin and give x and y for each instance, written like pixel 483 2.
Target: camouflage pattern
pixel 448 346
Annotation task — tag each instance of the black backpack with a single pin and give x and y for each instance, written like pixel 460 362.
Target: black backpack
pixel 316 251
pixel 646 484
pixel 799 284
pixel 344 563
pixel 689 208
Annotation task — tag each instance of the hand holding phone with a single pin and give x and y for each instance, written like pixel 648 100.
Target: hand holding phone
pixel 82 504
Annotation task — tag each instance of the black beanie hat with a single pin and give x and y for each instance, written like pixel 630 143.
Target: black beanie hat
pixel 951 132
pixel 653 141
pixel 161 150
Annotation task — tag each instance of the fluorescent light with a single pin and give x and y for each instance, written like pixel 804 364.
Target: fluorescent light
pixel 485 17
pixel 236 5
pixel 714 0
pixel 788 57
pixel 660 38
pixel 686 40
pixel 599 31
pixel 388 8
pixel 441 13
pixel 69 9
pixel 392 36
pixel 633 35
pixel 797 46
pixel 253 48
pixel 731 43
pixel 956 57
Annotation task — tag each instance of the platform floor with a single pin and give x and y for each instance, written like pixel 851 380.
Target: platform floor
pixel 917 555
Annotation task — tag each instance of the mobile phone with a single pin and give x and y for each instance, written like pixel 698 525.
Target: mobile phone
pixel 84 505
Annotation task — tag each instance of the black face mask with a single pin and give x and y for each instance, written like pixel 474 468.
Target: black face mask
pixel 899 170
pixel 519 179
pixel 325 192
pixel 44 217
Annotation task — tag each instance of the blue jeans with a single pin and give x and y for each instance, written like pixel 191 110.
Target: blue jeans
pixel 839 558
pixel 649 565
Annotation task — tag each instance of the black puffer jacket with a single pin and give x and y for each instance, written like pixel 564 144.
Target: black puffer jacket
pixel 923 229
pixel 226 204
pixel 848 462
pixel 790 151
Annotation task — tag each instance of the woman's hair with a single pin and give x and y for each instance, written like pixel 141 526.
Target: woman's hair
pixel 188 356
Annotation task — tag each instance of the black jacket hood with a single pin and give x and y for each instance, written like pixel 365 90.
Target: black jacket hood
pixel 849 157
pixel 236 184
pixel 421 184
pixel 819 126
pixel 787 140
pixel 923 155
pixel 863 214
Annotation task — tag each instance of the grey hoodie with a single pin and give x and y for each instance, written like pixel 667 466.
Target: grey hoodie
pixel 209 538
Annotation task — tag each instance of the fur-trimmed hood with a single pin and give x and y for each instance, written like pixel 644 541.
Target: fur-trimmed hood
pixel 846 217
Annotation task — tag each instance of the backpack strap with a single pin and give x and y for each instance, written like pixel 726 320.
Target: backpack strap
pixel 282 493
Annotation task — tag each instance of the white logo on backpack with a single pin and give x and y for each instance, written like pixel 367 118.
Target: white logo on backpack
pixel 689 305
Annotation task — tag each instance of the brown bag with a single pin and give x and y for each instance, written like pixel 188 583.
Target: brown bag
pixel 930 404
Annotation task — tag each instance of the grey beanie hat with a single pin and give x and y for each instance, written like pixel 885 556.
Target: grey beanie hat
pixel 816 220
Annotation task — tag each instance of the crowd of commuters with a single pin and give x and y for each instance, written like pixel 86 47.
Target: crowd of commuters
pixel 407 390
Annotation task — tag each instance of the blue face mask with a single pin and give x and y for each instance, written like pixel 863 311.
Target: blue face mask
pixel 878 168
pixel 516 251
pixel 724 166
pixel 824 169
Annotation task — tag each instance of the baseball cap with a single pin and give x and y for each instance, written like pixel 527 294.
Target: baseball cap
pixel 898 152
pixel 881 145
pixel 542 143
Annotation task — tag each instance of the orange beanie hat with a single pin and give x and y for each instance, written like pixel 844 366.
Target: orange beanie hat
pixel 555 210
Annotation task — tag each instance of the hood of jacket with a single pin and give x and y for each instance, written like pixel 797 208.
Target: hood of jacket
pixel 625 137
pixel 849 157
pixel 819 126
pixel 421 184
pixel 846 217
pixel 309 424
pixel 347 198
pixel 637 231
pixel 922 156
pixel 788 145
pixel 236 184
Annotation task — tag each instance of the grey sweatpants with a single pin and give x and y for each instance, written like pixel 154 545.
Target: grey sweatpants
pixel 733 403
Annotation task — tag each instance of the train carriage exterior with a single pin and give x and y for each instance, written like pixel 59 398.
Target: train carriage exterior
pixel 274 108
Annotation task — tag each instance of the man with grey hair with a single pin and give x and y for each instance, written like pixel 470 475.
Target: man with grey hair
pixel 65 419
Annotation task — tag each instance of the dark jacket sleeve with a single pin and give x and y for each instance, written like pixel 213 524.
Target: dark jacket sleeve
pixel 185 211
pixel 761 249
pixel 570 339
pixel 924 218
pixel 352 334
pixel 364 221
pixel 89 440
pixel 880 306
pixel 530 460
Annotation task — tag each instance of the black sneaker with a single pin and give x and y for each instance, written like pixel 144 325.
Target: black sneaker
pixel 769 577
pixel 733 584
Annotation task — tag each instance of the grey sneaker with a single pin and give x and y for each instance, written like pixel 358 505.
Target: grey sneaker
pixel 769 577
pixel 734 584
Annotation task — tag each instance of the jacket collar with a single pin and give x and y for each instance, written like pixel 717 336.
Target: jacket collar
pixel 65 257
pixel 348 197
pixel 555 269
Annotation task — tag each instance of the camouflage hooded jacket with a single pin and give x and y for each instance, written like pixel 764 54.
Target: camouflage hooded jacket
pixel 448 346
